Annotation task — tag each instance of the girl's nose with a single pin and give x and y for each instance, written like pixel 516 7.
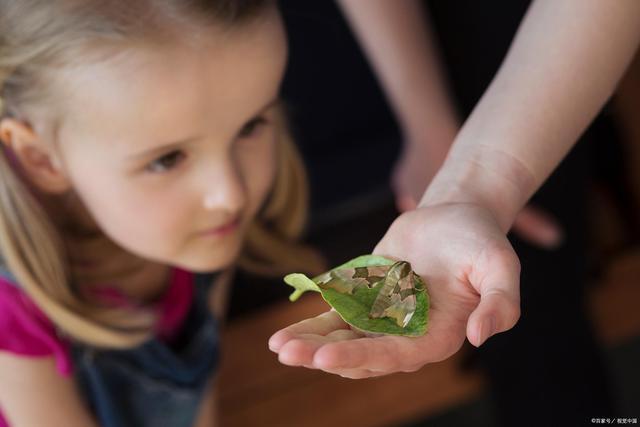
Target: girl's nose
pixel 224 190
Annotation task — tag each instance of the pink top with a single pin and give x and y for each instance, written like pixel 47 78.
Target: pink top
pixel 26 331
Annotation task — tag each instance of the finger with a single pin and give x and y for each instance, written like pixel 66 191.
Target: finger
pixel 499 307
pixel 344 335
pixel 538 227
pixel 355 374
pixel 382 354
pixel 444 337
pixel 320 325
pixel 368 373
pixel 301 350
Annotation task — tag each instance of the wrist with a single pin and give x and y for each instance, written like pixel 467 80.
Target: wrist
pixel 486 177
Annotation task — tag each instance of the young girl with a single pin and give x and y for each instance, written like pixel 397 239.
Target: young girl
pixel 143 150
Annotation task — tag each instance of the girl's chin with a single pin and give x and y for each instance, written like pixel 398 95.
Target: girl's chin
pixel 209 263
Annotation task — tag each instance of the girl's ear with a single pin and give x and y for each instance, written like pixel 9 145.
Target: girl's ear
pixel 37 159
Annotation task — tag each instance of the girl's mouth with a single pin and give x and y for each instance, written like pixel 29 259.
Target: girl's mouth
pixel 223 230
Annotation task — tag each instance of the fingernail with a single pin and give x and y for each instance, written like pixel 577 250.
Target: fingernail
pixel 487 330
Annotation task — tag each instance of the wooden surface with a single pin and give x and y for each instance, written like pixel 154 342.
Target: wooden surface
pixel 258 391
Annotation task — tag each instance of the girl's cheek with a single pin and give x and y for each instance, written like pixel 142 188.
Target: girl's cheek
pixel 259 171
pixel 151 207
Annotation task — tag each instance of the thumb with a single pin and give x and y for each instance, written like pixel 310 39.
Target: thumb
pixel 499 307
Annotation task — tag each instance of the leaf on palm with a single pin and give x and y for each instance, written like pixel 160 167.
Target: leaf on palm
pixel 373 294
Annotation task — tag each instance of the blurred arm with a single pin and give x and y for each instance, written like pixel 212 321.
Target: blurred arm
pixel 399 45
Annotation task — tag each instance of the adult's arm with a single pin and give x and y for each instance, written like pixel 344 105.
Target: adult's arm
pixel 396 38
pixel 563 65
pixel 398 42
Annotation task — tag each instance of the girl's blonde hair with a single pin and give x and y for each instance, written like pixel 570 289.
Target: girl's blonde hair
pixel 36 35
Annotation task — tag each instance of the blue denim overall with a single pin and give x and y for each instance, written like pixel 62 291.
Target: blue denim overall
pixel 155 384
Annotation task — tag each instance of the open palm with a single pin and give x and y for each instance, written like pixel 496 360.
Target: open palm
pixel 472 277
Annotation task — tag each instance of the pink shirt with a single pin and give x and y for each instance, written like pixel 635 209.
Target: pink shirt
pixel 26 331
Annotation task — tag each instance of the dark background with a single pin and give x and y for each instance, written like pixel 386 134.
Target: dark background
pixel 549 367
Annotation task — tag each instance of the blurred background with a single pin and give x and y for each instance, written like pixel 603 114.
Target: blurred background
pixel 575 353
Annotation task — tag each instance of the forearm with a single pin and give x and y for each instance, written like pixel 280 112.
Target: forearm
pixel 563 65
pixel 398 43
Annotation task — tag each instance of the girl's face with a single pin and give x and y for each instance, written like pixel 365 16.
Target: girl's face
pixel 172 149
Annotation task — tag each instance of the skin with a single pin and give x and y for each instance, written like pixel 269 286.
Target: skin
pixel 563 65
pixel 108 164
pixel 397 39
pixel 122 171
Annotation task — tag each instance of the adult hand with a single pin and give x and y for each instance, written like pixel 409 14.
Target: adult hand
pixel 472 277
pixel 417 165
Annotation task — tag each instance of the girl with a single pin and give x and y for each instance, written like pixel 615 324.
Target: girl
pixel 143 150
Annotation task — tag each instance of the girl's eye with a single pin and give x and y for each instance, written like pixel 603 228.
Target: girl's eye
pixel 166 162
pixel 251 128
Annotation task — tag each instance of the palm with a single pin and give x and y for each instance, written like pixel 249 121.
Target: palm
pixel 462 254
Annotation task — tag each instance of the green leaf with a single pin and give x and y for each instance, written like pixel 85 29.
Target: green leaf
pixel 302 284
pixel 354 288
